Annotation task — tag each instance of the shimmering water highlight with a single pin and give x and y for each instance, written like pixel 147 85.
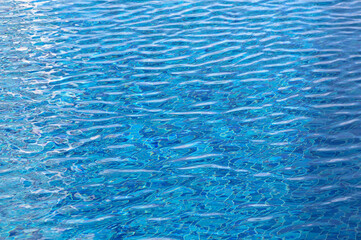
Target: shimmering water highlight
pixel 187 119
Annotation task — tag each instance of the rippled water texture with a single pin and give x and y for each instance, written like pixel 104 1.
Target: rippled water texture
pixel 196 119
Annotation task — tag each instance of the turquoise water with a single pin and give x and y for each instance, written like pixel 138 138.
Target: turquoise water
pixel 188 119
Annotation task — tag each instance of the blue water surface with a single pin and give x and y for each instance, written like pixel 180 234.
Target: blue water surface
pixel 180 119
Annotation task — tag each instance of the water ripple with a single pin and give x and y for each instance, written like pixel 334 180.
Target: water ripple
pixel 180 119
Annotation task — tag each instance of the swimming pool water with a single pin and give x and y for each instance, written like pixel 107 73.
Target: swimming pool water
pixel 195 119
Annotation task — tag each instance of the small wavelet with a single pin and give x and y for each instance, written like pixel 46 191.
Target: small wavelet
pixel 180 119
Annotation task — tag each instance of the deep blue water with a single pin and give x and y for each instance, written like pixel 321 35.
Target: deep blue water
pixel 197 119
